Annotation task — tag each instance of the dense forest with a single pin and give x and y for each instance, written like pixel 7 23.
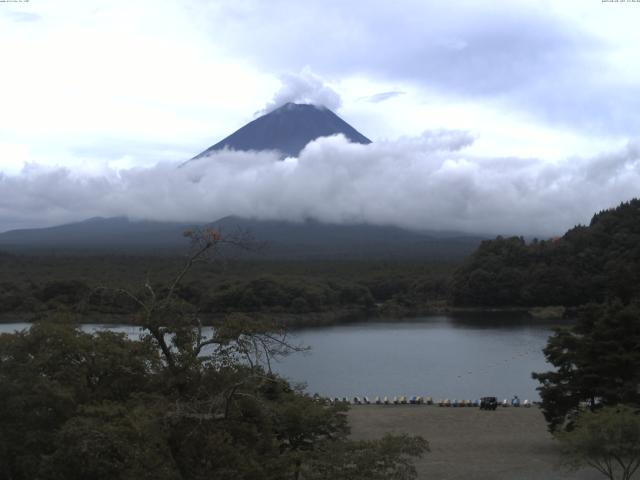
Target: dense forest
pixel 591 263
pixel 175 403
pixel 34 287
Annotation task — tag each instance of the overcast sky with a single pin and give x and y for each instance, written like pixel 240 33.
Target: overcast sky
pixel 537 102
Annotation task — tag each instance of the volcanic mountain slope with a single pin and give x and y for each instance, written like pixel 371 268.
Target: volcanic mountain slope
pixel 287 129
pixel 281 239
pixel 98 233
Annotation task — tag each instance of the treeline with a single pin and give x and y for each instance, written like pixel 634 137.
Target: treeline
pixel 588 264
pixel 176 403
pixel 90 285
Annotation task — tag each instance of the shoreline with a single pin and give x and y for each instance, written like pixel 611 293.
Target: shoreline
pixel 317 319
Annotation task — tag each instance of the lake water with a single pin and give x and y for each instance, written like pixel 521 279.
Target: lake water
pixel 443 356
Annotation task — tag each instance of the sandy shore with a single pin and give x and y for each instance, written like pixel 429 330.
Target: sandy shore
pixel 467 443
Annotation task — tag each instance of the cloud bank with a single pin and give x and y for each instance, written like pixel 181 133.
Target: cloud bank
pixel 429 182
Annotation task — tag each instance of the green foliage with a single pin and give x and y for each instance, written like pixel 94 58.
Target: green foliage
pixel 65 291
pixel 11 297
pixel 79 406
pixel 111 440
pixel 175 404
pixel 587 264
pixel 607 440
pixel 34 287
pixel 46 373
pixel 597 363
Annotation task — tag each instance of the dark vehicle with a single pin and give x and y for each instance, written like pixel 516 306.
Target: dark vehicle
pixel 488 403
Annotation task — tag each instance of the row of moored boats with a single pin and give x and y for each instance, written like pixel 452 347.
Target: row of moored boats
pixel 418 400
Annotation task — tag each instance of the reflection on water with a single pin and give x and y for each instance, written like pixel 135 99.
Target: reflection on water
pixel 455 357
pixel 461 357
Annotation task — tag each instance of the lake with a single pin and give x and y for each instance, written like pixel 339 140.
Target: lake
pixel 441 356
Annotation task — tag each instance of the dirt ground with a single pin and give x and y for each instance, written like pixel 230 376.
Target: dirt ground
pixel 471 444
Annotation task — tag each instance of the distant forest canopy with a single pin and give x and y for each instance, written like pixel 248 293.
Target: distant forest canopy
pixel 588 264
pixel 591 263
pixel 33 288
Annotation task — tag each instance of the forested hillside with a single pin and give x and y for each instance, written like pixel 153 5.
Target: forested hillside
pixel 587 264
pixel 35 287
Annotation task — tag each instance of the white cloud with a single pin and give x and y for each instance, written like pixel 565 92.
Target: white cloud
pixel 94 93
pixel 305 87
pixel 382 96
pixel 97 74
pixel 179 75
pixel 429 182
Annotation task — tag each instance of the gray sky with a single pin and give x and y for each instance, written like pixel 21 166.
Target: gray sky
pixel 507 117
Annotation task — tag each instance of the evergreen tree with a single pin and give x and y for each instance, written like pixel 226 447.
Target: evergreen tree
pixel 597 364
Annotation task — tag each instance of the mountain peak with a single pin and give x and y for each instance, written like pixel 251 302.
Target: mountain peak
pixel 299 106
pixel 287 129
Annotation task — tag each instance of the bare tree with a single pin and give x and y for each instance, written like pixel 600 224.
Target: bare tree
pixel 176 329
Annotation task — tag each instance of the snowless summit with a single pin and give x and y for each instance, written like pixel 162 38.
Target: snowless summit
pixel 288 129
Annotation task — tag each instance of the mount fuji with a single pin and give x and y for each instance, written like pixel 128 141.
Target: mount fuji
pixel 286 130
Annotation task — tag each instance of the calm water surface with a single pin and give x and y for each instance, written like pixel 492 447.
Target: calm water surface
pixel 443 356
